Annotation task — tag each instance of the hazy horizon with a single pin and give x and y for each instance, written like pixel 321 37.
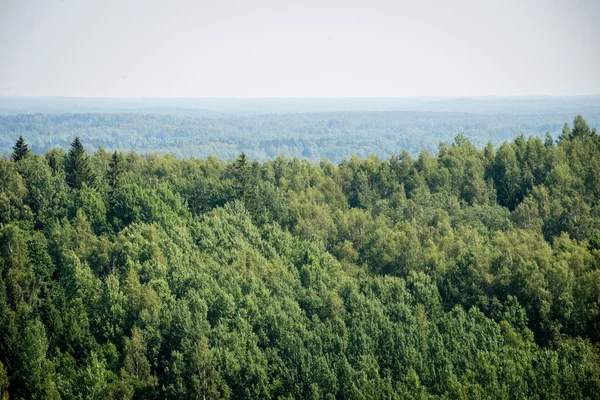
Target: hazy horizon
pixel 314 49
pixel 416 97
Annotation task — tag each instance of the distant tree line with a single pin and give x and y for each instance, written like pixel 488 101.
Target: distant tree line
pixel 310 136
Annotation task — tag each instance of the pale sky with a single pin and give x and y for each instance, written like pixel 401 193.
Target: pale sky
pixel 300 48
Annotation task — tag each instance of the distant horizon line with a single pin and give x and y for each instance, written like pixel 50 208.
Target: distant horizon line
pixel 455 97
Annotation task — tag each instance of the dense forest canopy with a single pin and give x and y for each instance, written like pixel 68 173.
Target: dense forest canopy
pixel 468 273
pixel 311 136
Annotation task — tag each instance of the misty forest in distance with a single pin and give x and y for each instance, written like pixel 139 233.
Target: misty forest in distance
pixel 263 129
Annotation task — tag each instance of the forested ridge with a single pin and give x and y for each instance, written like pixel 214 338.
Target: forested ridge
pixel 471 273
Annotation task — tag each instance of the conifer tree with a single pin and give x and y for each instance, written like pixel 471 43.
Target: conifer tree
pixel 241 174
pixel 580 127
pixel 241 163
pixel 77 166
pixel 116 169
pixel 20 150
pixel 566 134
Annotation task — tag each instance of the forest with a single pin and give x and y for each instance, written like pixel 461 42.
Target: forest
pixel 311 136
pixel 471 271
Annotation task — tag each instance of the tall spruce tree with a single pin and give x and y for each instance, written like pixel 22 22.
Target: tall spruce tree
pixel 241 171
pixel 20 150
pixel 115 169
pixel 77 166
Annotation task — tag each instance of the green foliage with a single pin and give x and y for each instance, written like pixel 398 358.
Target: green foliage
pixel 3 383
pixel 465 274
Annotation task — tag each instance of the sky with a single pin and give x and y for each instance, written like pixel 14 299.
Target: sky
pixel 300 48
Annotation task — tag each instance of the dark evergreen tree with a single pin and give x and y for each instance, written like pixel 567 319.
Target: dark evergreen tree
pixel 116 169
pixel 77 166
pixel 241 164
pixel 241 171
pixel 20 150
